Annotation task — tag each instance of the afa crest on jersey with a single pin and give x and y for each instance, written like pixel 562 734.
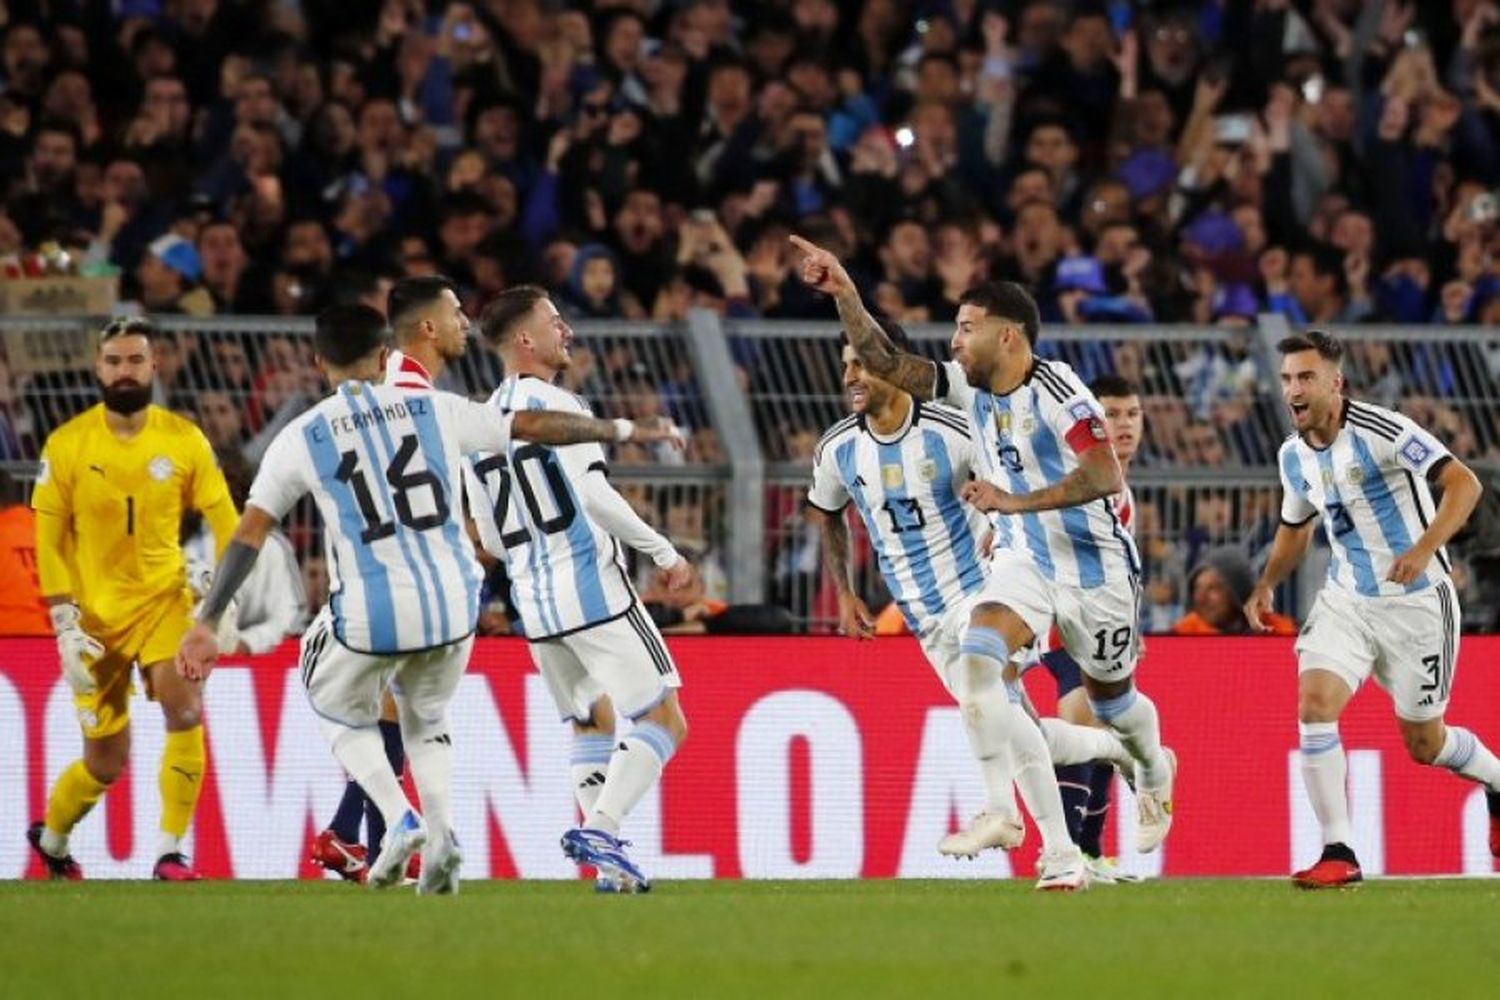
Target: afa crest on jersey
pixel 928 470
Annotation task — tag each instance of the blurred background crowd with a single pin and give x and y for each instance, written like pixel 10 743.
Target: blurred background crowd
pixel 1144 162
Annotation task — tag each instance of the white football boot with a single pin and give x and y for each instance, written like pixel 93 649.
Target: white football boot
pixel 401 841
pixel 1154 808
pixel 1063 870
pixel 440 869
pixel 985 831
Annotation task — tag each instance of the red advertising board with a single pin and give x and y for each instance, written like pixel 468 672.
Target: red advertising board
pixel 807 757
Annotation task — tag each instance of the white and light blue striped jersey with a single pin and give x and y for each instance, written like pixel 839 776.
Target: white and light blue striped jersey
pixel 1370 485
pixel 906 491
pixel 384 465
pixel 567 572
pixel 1028 440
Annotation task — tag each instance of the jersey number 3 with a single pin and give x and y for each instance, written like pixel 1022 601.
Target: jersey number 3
pixel 402 483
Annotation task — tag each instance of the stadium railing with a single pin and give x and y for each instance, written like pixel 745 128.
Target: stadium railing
pixel 756 395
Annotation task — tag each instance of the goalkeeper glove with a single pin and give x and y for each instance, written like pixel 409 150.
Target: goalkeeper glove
pixel 75 647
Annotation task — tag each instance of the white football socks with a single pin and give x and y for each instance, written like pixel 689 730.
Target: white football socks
pixel 362 754
pixel 984 696
pixel 1071 743
pixel 634 767
pixel 1324 768
pixel 590 759
pixel 1133 718
pixel 429 754
pixel 1466 756
pixel 985 726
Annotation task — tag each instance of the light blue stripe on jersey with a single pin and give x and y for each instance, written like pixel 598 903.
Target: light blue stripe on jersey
pixel 373 576
pixel 430 435
pixel 585 567
pixel 960 538
pixel 539 540
pixel 1036 533
pixel 849 472
pixel 1387 510
pixel 1354 545
pixel 1075 520
pixel 911 542
pixel 535 561
pixel 443 634
pixel 377 475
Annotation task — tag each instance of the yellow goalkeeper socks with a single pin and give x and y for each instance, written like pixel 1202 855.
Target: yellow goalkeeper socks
pixel 181 780
pixel 71 799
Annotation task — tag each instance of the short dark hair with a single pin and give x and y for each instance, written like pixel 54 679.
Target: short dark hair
pixel 410 294
pixel 1113 386
pixel 1008 301
pixel 507 309
pixel 1327 346
pixel 345 334
pixel 129 326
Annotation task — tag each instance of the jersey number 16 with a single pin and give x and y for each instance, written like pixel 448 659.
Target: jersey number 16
pixel 402 483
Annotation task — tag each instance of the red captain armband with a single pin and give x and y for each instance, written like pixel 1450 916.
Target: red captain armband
pixel 1086 433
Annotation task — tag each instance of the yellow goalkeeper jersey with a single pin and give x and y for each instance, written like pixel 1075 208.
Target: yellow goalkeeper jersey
pixel 118 504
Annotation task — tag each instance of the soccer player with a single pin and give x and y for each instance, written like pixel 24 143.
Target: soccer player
pixel 903 462
pixel 1062 555
pixel 1388 607
pixel 552 515
pixel 430 330
pixel 383 465
pixel 1086 783
pixel 109 500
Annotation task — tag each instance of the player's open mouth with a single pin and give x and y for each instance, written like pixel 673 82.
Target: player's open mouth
pixel 856 394
pixel 1299 408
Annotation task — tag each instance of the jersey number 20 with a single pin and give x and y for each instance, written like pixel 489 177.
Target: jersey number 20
pixel 557 485
pixel 402 484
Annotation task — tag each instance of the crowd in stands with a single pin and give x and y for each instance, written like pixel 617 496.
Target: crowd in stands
pixel 1132 162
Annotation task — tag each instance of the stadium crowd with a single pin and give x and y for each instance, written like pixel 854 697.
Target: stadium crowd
pixel 1161 162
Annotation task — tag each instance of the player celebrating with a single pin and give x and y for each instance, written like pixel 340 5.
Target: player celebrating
pixel 1062 554
pixel 430 330
pixel 1085 755
pixel 1388 606
pixel 552 515
pixel 114 483
pixel 903 463
pixel 383 465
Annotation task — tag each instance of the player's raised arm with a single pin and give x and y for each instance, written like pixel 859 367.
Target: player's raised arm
pixel 908 372
pixel 556 428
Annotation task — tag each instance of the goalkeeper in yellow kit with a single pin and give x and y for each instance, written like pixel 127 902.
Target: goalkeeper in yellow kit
pixel 109 500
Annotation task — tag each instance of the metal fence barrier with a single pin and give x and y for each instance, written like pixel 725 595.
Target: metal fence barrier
pixel 756 395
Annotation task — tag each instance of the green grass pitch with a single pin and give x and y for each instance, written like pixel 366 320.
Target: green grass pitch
pixel 1198 938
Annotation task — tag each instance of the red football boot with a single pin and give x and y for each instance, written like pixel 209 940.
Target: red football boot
pixel 345 860
pixel 175 867
pixel 63 869
pixel 1337 867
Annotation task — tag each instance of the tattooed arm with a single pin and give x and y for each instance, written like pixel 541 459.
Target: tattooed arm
pixel 854 617
pixel 907 372
pixel 1097 475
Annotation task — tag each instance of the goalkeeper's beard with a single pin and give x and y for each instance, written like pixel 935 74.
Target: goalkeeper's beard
pixel 125 398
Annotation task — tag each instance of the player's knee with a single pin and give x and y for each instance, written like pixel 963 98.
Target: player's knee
pixel 1423 745
pixel 1317 706
pixel 669 716
pixel 183 714
pixel 107 762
